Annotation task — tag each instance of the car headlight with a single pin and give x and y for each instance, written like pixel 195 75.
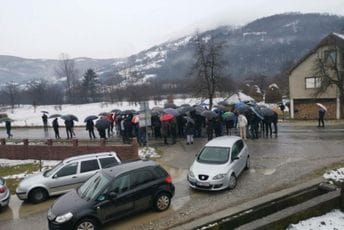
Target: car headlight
pixel 64 218
pixel 191 174
pixel 219 176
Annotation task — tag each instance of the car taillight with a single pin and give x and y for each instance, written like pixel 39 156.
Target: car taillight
pixel 2 189
pixel 168 179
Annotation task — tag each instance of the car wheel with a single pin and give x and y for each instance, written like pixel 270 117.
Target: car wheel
pixel 162 202
pixel 248 163
pixel 87 224
pixel 232 181
pixel 38 195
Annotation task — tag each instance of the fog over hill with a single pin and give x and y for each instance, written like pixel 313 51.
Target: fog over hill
pixel 263 46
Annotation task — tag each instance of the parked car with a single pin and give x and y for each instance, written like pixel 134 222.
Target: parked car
pixel 68 174
pixel 112 194
pixel 4 193
pixel 219 164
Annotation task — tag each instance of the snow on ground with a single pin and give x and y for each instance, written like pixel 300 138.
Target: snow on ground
pixel 336 175
pixel 147 153
pixel 331 221
pixel 46 164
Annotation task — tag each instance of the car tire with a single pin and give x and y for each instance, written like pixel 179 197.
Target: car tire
pixel 162 202
pixel 87 224
pixel 232 182
pixel 248 163
pixel 38 195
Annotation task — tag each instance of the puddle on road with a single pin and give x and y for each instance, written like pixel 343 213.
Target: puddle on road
pixel 18 209
pixel 265 172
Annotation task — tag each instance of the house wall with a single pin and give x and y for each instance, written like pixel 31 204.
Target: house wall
pixel 60 152
pixel 306 109
pixel 297 79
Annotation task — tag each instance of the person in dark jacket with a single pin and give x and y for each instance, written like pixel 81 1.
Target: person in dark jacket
pixel 210 129
pixel 321 117
pixel 69 128
pixel 56 128
pixel 90 129
pixel 189 131
pixel 45 121
pixel 8 129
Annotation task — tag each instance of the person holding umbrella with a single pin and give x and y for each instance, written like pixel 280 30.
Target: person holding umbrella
pixel 55 124
pixel 242 123
pixel 8 128
pixel 189 130
pixel 321 117
pixel 90 128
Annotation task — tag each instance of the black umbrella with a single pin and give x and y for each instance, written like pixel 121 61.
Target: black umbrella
pixel 264 111
pixel 91 117
pixel 43 111
pixel 54 115
pixel 103 114
pixel 174 112
pixel 4 119
pixel 116 111
pixel 189 119
pixel 199 109
pixel 69 117
pixel 209 114
pixel 102 124
pixel 170 105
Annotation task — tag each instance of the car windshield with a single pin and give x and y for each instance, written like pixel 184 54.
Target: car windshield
pixel 213 155
pixel 51 171
pixel 93 186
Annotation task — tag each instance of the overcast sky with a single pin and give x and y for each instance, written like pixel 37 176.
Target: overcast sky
pixel 118 28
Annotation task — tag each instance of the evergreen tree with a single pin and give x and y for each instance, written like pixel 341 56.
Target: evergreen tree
pixel 90 85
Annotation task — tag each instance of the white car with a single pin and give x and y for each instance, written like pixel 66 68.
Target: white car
pixel 219 164
pixel 68 174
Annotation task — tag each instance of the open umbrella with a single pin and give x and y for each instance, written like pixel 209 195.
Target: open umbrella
pixel 43 111
pixel 103 114
pixel 4 119
pixel 102 124
pixel 69 117
pixel 209 114
pixel 166 117
pixel 256 112
pixel 228 116
pixel 91 117
pixel 54 115
pixel 185 109
pixel 172 111
pixel 199 109
pixel 116 111
pixel 135 119
pixel 321 106
pixel 170 105
pixel 189 119
pixel 266 112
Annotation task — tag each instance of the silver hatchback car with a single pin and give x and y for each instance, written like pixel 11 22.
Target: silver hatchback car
pixel 68 174
pixel 219 164
pixel 4 193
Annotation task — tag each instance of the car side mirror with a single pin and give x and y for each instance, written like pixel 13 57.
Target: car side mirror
pixel 235 158
pixel 112 195
pixel 55 176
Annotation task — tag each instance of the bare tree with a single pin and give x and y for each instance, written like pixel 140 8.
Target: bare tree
pixel 66 69
pixel 329 69
pixel 207 68
pixel 11 91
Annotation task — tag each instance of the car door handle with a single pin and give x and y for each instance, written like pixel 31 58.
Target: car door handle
pixel 74 177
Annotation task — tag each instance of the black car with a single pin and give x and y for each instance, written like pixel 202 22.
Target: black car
pixel 111 194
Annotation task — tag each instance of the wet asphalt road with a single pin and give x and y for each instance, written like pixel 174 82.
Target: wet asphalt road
pixel 295 156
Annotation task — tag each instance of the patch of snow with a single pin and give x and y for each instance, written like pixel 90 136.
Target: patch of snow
pixel 336 175
pixel 148 153
pixel 206 38
pixel 254 34
pixel 238 97
pixel 341 36
pixel 330 221
pixel 273 85
pixel 183 41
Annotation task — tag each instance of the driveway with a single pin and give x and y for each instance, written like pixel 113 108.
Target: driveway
pixel 298 154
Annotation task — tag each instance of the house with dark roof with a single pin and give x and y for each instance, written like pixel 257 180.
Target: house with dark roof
pixel 303 84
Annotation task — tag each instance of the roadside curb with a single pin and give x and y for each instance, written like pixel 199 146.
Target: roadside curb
pixel 247 205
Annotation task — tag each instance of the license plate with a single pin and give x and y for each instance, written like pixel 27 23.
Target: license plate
pixel 205 184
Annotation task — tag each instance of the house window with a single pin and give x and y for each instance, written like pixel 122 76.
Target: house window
pixel 313 82
pixel 330 57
